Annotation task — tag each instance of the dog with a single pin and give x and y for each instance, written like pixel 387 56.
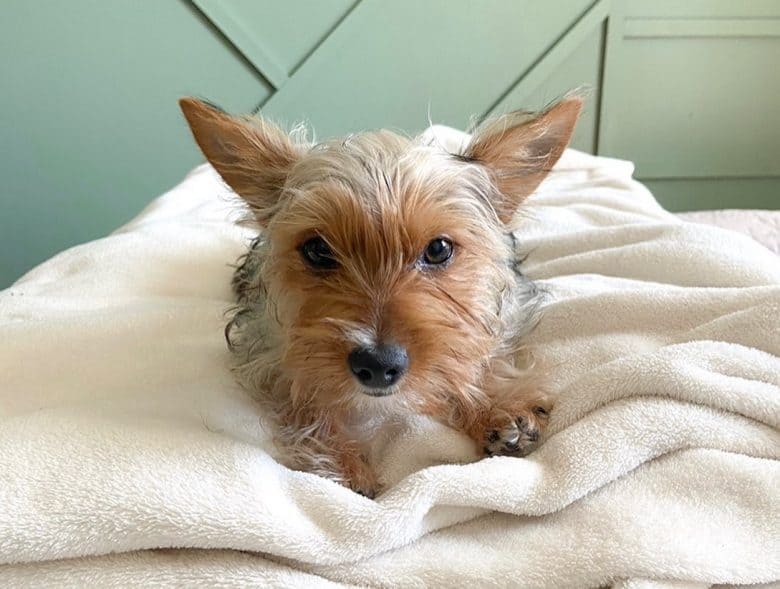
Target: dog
pixel 385 279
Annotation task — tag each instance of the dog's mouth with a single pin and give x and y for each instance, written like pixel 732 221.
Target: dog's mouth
pixel 378 393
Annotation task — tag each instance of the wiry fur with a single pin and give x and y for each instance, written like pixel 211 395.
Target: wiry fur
pixel 378 199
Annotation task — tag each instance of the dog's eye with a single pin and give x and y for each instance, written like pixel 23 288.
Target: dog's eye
pixel 318 254
pixel 438 251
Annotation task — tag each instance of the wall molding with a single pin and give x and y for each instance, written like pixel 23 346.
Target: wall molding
pixel 660 28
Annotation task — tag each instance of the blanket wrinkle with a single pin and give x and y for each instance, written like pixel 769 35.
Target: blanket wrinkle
pixel 122 432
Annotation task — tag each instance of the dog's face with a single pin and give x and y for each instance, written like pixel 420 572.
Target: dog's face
pixel 388 265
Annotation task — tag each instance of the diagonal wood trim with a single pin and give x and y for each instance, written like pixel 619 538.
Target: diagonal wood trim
pixel 325 36
pixel 380 64
pixel 541 69
pixel 343 20
pixel 219 13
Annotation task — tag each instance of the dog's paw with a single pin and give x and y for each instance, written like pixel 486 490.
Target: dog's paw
pixel 360 477
pixel 517 435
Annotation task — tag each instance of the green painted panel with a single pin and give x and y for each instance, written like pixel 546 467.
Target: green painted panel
pixel 716 193
pixel 276 34
pixel 388 64
pixel 679 116
pixel 90 129
pixel 582 68
pixel 689 90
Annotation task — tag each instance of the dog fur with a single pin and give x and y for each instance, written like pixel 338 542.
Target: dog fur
pixel 377 200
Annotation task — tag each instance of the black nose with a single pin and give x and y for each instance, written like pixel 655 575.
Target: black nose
pixel 379 367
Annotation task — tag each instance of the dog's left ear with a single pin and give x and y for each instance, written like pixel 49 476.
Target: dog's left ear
pixel 253 156
pixel 519 149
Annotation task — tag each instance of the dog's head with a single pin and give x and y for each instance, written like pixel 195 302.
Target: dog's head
pixel 387 260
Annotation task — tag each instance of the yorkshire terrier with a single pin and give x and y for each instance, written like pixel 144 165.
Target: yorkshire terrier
pixel 385 279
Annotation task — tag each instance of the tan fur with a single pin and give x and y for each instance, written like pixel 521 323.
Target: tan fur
pixel 378 199
pixel 520 149
pixel 252 156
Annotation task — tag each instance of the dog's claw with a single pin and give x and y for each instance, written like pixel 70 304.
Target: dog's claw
pixel 369 493
pixel 541 412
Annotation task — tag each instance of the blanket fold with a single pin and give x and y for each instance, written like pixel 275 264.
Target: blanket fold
pixel 128 455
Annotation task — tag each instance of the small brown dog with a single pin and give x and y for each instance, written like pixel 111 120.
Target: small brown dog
pixel 385 279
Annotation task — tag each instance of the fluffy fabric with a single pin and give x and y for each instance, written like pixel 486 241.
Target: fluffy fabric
pixel 763 226
pixel 122 432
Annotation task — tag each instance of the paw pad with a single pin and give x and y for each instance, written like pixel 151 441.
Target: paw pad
pixel 516 438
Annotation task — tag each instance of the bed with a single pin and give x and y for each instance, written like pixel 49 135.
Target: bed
pixel 129 457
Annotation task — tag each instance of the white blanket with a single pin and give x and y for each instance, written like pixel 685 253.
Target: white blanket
pixel 121 430
pixel 763 226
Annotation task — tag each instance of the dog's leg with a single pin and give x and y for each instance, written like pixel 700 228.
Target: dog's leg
pixel 317 442
pixel 509 417
pixel 518 413
pixel 514 423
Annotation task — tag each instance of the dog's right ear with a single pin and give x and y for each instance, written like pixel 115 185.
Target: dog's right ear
pixel 519 149
pixel 252 155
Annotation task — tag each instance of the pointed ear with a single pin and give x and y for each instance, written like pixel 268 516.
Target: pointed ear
pixel 519 149
pixel 252 155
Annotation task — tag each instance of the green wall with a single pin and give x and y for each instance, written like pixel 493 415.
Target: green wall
pixel 691 96
pixel 89 126
pixel 90 130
